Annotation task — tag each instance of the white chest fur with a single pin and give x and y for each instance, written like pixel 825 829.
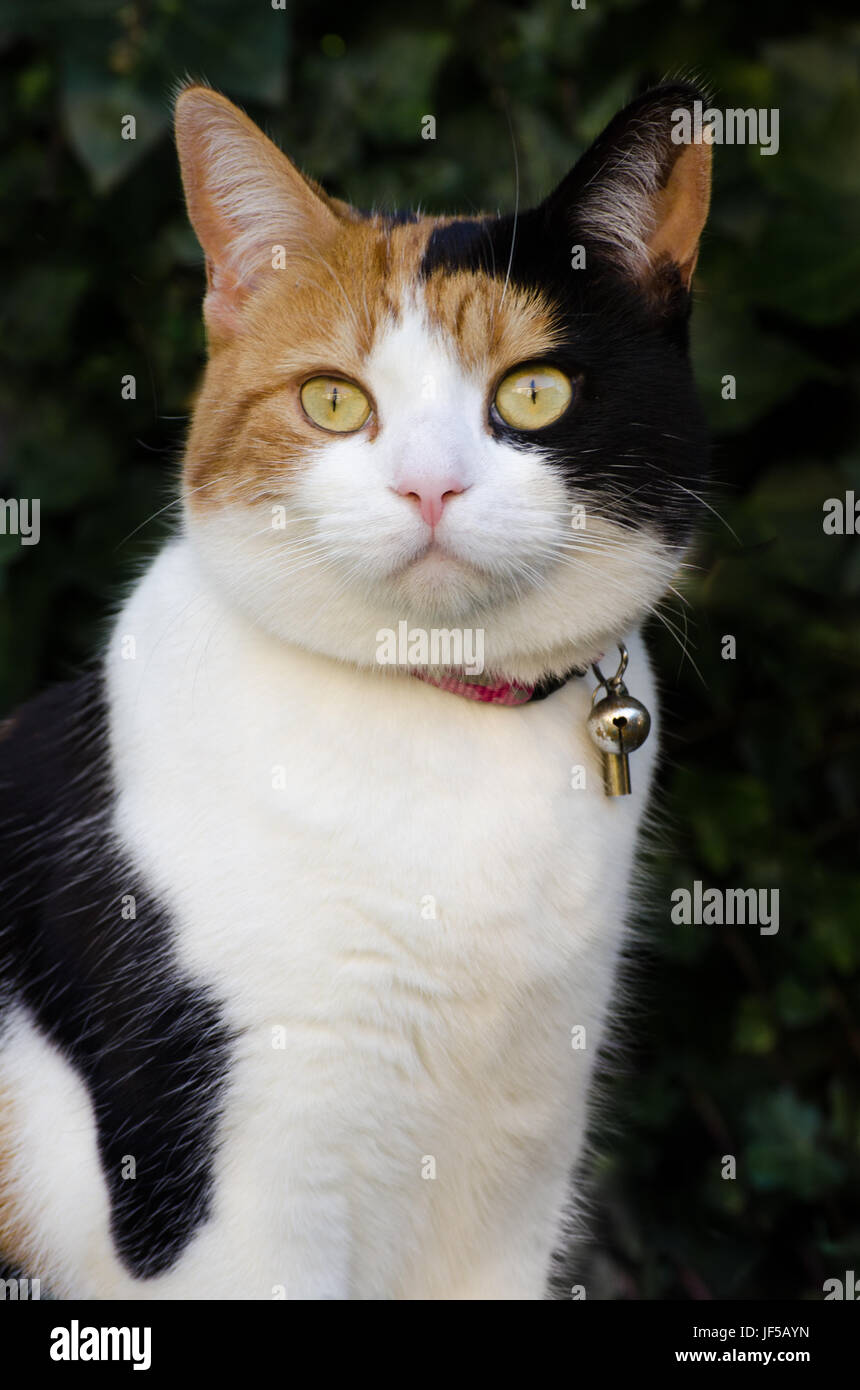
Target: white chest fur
pixel 406 908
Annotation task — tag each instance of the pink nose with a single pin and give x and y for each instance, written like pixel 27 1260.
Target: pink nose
pixel 431 496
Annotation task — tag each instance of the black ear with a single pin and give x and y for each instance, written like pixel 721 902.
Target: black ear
pixel 639 197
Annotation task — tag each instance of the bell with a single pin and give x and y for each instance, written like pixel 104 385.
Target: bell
pixel 618 725
pixel 619 715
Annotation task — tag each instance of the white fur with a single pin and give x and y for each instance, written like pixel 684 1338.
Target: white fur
pixel 350 558
pixel 619 209
pixel 404 881
pixel 406 1037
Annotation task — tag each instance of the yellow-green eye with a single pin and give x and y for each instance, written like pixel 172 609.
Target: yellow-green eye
pixel 533 396
pixel 334 404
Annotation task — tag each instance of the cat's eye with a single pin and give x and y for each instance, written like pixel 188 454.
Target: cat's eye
pixel 531 397
pixel 335 404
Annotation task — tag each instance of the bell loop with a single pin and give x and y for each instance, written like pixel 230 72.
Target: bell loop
pixel 614 684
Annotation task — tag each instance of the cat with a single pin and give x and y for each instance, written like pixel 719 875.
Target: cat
pixel 296 946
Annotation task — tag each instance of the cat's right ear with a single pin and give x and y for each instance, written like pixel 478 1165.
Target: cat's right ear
pixel 245 200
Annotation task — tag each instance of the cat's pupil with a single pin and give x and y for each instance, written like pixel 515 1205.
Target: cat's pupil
pixel 533 390
pixel 333 399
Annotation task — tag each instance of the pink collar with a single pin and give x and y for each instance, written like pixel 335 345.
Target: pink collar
pixel 499 693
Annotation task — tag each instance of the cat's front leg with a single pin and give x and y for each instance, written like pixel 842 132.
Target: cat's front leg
pixel 221 1265
pixel 514 1261
pixel 293 1250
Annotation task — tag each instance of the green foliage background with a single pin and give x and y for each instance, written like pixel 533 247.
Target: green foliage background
pixel 738 1043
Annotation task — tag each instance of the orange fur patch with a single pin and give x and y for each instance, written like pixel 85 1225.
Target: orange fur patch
pixel 17 1245
pixel 322 314
pixel 492 327
pixel 681 208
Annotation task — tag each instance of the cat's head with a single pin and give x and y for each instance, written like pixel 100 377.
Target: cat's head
pixel 482 422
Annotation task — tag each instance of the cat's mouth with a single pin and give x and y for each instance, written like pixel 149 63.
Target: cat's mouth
pixel 439 583
pixel 419 552
pixel 435 549
pixel 438 559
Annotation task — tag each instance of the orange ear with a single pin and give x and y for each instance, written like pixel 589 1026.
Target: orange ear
pixel 680 210
pixel 245 199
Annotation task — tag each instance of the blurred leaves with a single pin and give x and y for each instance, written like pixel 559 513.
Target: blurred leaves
pixel 94 107
pixel 786 1150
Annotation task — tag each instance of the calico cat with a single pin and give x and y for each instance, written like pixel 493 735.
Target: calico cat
pixel 294 945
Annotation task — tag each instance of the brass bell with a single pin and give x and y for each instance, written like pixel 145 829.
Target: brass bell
pixel 619 725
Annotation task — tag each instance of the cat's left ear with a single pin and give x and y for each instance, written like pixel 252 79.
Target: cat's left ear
pixel 640 194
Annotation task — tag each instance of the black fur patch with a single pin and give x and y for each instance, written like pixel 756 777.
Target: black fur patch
pixel 149 1043
pixel 633 445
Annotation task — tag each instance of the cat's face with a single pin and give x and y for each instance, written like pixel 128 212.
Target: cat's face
pixel 449 422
